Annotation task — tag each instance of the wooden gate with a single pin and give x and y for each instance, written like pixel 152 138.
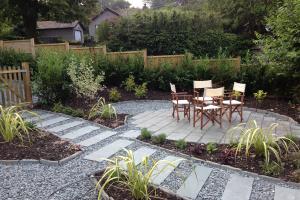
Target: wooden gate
pixel 15 85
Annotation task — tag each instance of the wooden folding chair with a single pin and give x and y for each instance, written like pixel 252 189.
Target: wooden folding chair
pixel 234 101
pixel 181 102
pixel 199 87
pixel 213 110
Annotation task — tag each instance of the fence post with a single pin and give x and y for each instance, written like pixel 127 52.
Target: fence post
pixel 27 84
pixel 32 47
pixel 1 44
pixel 104 49
pixel 239 62
pixel 145 59
pixel 67 46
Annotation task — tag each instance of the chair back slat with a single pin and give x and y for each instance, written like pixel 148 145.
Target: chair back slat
pixel 239 87
pixel 173 88
pixel 202 84
pixel 214 92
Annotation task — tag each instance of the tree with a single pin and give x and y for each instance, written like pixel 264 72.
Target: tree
pixel 30 11
pixel 115 4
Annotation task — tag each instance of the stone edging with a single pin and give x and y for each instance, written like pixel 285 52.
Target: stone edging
pixel 41 161
pixel 225 167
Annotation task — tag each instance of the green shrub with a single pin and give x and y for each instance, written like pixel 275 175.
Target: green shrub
pixel 103 110
pixel 12 124
pixel 114 95
pixel 273 168
pixel 159 139
pixel 145 134
pixel 260 95
pixel 10 57
pixel 141 91
pixel 129 84
pixel 181 144
pixel 211 147
pixel 58 107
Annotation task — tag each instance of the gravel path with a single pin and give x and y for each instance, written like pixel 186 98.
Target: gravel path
pixel 70 181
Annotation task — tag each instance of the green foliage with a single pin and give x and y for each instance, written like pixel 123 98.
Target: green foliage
pixel 102 32
pixel 58 107
pixel 129 84
pixel 159 139
pixel 141 91
pixel 211 147
pixel 145 134
pixel 124 170
pixel 263 141
pixel 10 57
pixel 103 110
pixel 114 94
pixel 12 124
pixel 181 144
pixel 273 169
pixel 260 95
pixel 84 80
pixel 51 83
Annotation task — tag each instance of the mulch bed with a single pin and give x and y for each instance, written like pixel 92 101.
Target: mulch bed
pixel 121 192
pixel 42 145
pixel 225 155
pixel 112 123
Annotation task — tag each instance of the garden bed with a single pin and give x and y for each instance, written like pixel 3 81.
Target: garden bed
pixel 119 191
pixel 225 154
pixel 42 145
pixel 112 123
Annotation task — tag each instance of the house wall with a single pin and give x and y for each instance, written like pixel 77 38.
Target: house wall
pixel 67 34
pixel 105 16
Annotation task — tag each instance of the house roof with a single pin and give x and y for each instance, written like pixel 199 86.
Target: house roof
pixel 107 10
pixel 55 25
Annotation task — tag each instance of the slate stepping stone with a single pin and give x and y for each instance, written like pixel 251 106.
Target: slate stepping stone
pixel 282 193
pixel 193 184
pixel 51 121
pixel 65 126
pixel 40 117
pixel 108 150
pixel 80 132
pixel 238 188
pixel 164 169
pixel 131 134
pixel 97 138
pixel 139 155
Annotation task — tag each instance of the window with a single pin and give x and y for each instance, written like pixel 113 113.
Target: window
pixel 77 35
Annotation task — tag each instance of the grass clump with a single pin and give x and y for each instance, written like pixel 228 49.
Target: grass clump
pixel 145 134
pixel 114 95
pixel 58 107
pixel 102 110
pixel 129 84
pixel 181 144
pixel 159 139
pixel 211 147
pixel 141 91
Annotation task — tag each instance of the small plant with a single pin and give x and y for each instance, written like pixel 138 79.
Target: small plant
pixel 141 91
pixel 236 94
pixel 211 147
pixel 114 95
pixel 181 144
pixel 159 139
pixel 145 134
pixel 12 124
pixel 102 110
pixel 273 168
pixel 260 95
pixel 129 84
pixel 58 107
pixel 137 180
pixel 263 142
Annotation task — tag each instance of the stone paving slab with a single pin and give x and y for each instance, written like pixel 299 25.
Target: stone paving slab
pixel 163 169
pixel 162 124
pixel 131 134
pixel 141 115
pixel 193 184
pixel 193 137
pixel 40 117
pixel 238 188
pixel 108 150
pixel 152 115
pixel 80 132
pixel 97 138
pixel 65 126
pixel 51 121
pixel 283 193
pixel 139 155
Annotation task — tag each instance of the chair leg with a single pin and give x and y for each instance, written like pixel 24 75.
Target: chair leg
pixel 220 118
pixel 189 113
pixel 230 113
pixel 241 113
pixel 177 112
pixel 173 110
pixel 194 117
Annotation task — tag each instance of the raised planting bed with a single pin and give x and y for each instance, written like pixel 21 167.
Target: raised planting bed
pixel 225 154
pixel 118 191
pixel 112 123
pixel 41 146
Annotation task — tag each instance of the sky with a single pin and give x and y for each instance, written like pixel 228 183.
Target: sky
pixel 136 3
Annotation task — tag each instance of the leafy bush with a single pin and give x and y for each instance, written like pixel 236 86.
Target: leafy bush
pixel 129 84
pixel 141 91
pixel 145 134
pixel 58 107
pixel 114 95
pixel 124 170
pixel 10 57
pixel 211 147
pixel 84 81
pixel 263 141
pixel 260 95
pixel 159 139
pixel 12 124
pixel 103 110
pixel 181 144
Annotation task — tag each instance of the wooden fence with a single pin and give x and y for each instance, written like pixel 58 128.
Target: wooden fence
pixel 156 61
pixel 56 46
pixel 15 85
pixel 26 46
pixel 93 50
